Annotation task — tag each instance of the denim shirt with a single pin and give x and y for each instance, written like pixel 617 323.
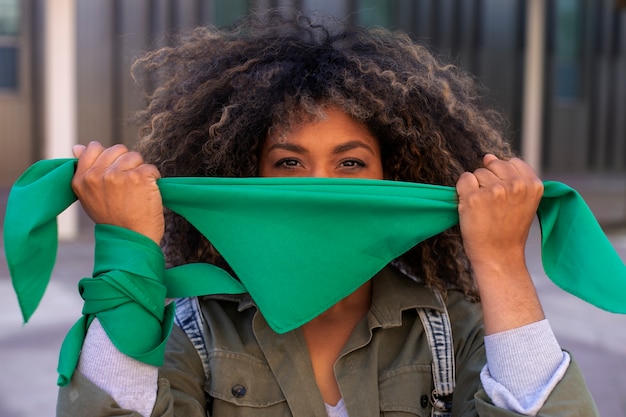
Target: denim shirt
pixel 383 370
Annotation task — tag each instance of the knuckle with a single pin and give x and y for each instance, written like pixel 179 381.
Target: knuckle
pixel 76 184
pixel 517 186
pixel 464 179
pixel 135 176
pixel 498 191
pixel 139 176
pixel 94 145
pixel 149 170
pixel 108 176
pixel 134 157
pixel 91 178
pixel 85 183
pixel 119 147
pixel 112 177
pixel 473 199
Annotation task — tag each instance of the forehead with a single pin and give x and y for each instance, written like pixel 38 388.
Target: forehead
pixel 323 117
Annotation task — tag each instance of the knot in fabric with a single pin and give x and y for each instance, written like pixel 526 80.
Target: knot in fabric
pixel 127 296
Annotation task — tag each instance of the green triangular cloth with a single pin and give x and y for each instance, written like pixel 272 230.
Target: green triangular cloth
pixel 298 245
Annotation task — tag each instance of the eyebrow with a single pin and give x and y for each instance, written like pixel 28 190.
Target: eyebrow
pixel 348 146
pixel 288 147
pixel 344 147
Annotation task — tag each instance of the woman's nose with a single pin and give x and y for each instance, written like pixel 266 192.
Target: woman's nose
pixel 322 171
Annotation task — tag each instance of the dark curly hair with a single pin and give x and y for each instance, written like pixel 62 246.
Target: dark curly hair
pixel 220 92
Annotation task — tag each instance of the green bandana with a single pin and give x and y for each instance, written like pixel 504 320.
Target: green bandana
pixel 297 245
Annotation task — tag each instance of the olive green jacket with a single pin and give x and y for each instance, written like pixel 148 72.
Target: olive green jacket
pixel 384 369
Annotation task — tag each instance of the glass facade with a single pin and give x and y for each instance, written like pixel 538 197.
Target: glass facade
pixel 568 48
pixel 9 44
pixel 9 17
pixel 375 13
pixel 227 12
pixel 8 67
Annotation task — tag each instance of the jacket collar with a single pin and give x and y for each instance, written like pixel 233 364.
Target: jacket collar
pixel 393 292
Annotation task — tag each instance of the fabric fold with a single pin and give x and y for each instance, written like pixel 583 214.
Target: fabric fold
pixel 30 229
pixel 127 296
pixel 576 254
pixel 297 240
pixel 297 245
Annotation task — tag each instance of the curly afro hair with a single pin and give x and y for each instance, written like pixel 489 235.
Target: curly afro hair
pixel 219 93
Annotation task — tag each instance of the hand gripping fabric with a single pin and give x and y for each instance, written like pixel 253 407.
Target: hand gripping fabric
pixel 297 245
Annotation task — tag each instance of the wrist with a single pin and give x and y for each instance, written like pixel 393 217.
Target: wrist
pixel 498 262
pixel 114 243
pixel 508 296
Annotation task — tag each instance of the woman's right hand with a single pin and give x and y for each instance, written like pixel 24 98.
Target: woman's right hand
pixel 116 187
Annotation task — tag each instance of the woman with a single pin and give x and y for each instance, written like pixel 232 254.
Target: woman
pixel 289 98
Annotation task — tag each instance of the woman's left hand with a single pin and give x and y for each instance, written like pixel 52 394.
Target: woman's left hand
pixel 497 204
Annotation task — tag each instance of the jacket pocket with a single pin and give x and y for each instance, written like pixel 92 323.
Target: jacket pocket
pixel 405 391
pixel 241 385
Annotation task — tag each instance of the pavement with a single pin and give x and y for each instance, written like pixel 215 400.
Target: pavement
pixel 28 353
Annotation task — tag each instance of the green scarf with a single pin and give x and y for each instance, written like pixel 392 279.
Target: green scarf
pixel 297 245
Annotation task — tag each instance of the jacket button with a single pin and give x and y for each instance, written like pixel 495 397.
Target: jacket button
pixel 424 401
pixel 238 391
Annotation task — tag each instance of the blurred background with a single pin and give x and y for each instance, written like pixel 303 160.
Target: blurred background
pixel 555 68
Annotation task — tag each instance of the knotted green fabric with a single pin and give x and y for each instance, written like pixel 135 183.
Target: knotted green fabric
pixel 297 245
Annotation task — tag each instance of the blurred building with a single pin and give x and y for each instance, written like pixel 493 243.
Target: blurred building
pixel 556 68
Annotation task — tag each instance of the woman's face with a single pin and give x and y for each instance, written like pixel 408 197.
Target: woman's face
pixel 335 147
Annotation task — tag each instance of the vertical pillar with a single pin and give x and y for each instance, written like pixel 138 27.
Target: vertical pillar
pixel 532 116
pixel 60 128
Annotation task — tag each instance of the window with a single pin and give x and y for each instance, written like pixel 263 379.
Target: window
pixel 375 13
pixel 9 44
pixel 228 11
pixel 569 48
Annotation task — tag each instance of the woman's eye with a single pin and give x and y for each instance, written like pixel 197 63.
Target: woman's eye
pixel 287 163
pixel 352 163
